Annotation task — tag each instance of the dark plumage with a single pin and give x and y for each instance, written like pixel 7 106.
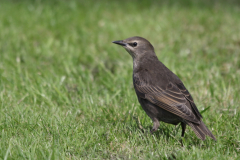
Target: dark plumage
pixel 160 92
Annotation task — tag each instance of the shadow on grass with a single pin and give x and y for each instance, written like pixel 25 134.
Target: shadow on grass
pixel 172 133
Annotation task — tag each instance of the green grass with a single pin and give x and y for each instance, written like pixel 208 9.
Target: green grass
pixel 66 91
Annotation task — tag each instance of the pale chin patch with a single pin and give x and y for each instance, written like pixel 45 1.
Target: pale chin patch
pixel 129 51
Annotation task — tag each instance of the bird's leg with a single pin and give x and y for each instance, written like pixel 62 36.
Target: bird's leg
pixel 156 124
pixel 183 128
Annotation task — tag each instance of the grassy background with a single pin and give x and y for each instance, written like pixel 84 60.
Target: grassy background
pixel 66 91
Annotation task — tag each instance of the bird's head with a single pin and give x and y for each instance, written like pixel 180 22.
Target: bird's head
pixel 137 47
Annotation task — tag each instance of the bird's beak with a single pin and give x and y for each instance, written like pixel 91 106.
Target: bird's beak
pixel 120 43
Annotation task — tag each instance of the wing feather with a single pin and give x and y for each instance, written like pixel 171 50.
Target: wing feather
pixel 188 96
pixel 170 99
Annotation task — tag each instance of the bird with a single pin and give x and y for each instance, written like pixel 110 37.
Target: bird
pixel 160 92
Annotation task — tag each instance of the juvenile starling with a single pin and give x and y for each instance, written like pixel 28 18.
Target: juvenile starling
pixel 160 92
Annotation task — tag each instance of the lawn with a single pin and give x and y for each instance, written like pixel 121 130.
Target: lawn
pixel 66 90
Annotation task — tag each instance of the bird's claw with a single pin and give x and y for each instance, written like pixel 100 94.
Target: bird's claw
pixel 153 130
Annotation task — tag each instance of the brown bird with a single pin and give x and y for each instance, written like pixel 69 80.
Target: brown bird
pixel 160 92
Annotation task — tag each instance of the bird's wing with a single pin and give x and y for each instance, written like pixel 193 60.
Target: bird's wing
pixel 188 96
pixel 170 99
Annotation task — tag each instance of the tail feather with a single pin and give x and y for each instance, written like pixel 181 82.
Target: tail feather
pixel 201 130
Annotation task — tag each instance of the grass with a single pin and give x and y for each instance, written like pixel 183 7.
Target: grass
pixel 66 91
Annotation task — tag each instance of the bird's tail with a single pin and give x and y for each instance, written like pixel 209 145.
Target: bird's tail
pixel 201 130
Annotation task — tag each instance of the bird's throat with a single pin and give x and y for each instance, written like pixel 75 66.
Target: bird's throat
pixel 135 64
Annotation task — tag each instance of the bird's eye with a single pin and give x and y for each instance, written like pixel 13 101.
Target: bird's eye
pixel 134 44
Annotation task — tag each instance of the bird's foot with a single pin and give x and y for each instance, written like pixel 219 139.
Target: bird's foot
pixel 155 125
pixel 153 130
